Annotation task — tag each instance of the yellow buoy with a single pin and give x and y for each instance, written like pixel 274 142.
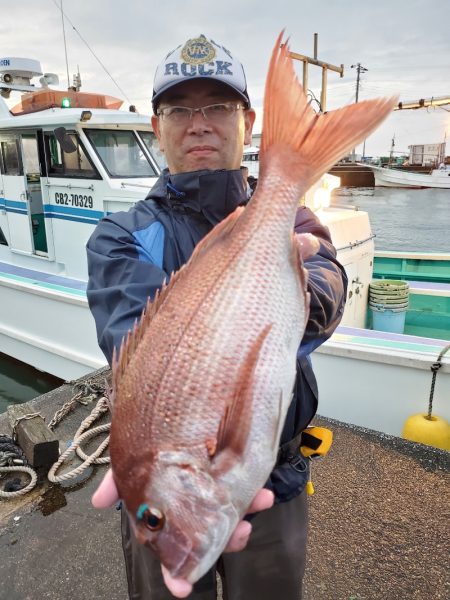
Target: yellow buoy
pixel 434 431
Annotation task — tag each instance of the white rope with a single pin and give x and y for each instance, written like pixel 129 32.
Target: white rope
pixel 90 459
pixel 28 488
pixel 100 408
pixel 82 434
pixel 80 437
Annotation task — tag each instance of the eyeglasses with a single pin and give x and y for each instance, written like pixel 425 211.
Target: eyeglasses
pixel 216 113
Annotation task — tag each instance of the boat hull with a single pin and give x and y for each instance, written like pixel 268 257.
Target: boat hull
pixel 377 380
pixel 396 178
pixel 48 327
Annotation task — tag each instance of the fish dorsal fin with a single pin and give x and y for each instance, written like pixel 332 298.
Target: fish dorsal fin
pixel 131 341
pixel 236 421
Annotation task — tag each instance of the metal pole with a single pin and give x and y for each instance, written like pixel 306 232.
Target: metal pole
pixel 359 69
pixel 65 46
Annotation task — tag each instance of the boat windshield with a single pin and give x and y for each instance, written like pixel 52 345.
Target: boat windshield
pixel 152 145
pixel 121 153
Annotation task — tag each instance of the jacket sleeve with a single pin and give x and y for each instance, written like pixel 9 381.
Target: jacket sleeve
pixel 327 284
pixel 120 281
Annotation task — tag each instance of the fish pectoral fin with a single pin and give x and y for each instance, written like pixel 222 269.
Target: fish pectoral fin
pixel 235 425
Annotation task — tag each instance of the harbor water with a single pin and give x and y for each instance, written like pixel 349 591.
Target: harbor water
pixel 402 219
pixel 20 382
pixel 406 220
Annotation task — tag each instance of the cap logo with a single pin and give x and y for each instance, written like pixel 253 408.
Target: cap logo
pixel 198 51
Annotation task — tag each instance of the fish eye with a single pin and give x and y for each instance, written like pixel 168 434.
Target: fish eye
pixel 152 518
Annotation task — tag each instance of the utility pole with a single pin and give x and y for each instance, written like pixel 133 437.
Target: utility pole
pixel 391 154
pixel 359 69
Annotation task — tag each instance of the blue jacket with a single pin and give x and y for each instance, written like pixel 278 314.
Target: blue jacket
pixel 131 254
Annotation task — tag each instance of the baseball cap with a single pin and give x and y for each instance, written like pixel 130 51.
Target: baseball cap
pixel 199 58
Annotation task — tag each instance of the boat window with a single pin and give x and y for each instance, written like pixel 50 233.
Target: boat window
pixel 120 153
pixel 31 157
pixel 68 164
pixel 152 145
pixel 3 241
pixel 10 157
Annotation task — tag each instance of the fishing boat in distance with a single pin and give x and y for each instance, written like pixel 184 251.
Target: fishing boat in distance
pixel 437 178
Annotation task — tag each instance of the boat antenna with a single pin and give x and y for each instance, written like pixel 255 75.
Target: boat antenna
pixel 65 45
pixel 94 55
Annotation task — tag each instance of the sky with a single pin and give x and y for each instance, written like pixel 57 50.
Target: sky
pixel 404 44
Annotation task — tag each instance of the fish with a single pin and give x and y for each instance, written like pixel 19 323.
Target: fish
pixel 202 384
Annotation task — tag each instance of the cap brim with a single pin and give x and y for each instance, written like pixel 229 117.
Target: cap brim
pixel 157 97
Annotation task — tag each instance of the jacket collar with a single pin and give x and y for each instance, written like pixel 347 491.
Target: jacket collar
pixel 214 194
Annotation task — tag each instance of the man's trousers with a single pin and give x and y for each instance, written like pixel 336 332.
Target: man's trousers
pixel 271 566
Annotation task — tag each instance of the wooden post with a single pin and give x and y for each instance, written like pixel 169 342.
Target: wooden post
pixel 307 60
pixel 323 96
pixel 40 445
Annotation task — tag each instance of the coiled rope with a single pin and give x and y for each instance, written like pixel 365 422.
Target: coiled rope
pixel 80 437
pixel 24 490
pixel 13 459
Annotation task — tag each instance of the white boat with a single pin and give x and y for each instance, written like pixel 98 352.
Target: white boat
pixel 438 178
pixel 250 160
pixel 66 160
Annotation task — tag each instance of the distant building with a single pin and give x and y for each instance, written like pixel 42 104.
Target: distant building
pixel 427 154
pixel 256 139
pixel 250 160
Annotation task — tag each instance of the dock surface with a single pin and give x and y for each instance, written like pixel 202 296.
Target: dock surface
pixel 378 525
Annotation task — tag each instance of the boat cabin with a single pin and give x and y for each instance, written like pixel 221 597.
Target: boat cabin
pixel 62 169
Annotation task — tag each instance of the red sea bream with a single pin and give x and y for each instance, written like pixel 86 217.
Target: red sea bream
pixel 202 385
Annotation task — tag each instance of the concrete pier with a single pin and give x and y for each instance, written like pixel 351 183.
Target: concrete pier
pixel 378 526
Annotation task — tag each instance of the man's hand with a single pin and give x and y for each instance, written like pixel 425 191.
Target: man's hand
pixel 307 245
pixel 106 495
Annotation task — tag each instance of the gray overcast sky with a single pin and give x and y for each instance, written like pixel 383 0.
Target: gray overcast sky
pixel 404 44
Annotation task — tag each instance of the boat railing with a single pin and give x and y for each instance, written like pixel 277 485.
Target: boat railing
pixel 356 243
pixel 345 206
pixel 124 184
pixel 69 186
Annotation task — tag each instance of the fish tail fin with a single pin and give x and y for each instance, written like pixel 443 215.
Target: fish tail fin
pixel 308 144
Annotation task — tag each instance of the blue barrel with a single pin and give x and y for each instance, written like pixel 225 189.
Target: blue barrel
pixel 388 301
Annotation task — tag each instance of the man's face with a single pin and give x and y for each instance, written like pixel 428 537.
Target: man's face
pixel 200 143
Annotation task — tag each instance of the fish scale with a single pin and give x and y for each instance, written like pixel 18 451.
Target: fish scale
pixel 203 384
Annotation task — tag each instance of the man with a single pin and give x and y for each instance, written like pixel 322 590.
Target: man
pixel 202 119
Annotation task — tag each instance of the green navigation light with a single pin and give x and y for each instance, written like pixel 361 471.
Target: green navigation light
pixel 66 102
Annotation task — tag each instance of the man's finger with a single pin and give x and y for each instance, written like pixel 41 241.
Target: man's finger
pixel 240 536
pixel 307 245
pixel 180 588
pixel 106 494
pixel 264 499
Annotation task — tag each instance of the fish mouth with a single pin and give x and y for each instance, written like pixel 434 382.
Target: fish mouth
pixel 200 562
